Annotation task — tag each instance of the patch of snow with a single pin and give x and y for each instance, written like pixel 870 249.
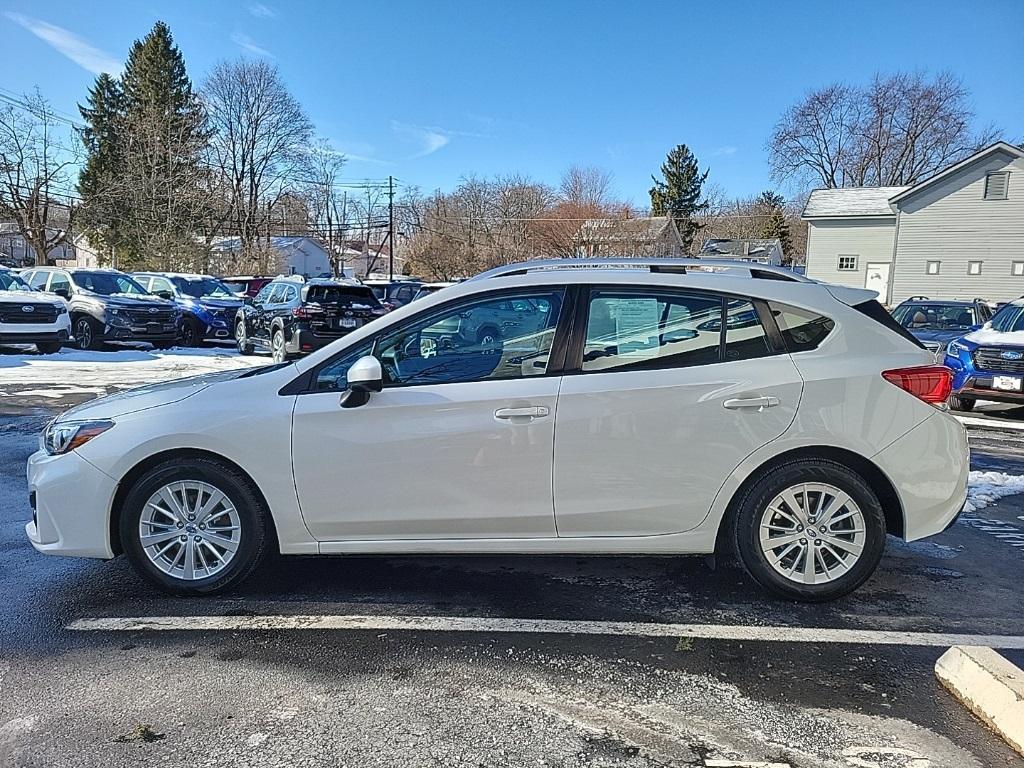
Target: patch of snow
pixel 984 488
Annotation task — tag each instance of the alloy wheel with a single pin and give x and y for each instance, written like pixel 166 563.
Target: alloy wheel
pixel 190 529
pixel 83 333
pixel 277 347
pixel 812 533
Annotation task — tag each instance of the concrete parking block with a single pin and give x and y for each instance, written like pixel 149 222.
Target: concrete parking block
pixel 989 685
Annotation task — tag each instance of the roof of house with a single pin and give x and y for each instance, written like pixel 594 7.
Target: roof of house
pixel 999 146
pixel 851 201
pixel 741 247
pixel 280 242
pixel 640 230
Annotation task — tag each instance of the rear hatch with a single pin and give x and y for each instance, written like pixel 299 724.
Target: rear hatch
pixel 338 309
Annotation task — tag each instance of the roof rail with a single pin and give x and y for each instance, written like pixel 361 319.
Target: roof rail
pixel 681 266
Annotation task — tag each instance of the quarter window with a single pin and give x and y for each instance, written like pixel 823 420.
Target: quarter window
pixel 745 337
pixel 476 341
pixel 847 263
pixel 638 330
pixel 801 329
pixel 973 267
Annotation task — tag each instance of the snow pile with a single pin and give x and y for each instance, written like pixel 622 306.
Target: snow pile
pixel 984 488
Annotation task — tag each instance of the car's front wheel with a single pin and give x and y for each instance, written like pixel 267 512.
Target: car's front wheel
pixel 810 530
pixel 242 339
pixel 192 333
pixel 194 526
pixel 87 333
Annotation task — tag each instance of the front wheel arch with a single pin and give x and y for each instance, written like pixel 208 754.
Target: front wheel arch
pixel 875 478
pixel 179 454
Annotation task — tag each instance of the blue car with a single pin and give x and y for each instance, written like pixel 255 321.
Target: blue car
pixel 936 323
pixel 988 364
pixel 208 306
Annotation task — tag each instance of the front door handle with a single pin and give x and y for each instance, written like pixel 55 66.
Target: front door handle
pixel 737 403
pixel 528 413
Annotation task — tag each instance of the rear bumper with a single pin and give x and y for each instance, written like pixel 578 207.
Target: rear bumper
pixel 303 341
pixel 72 501
pixel 928 467
pixel 979 387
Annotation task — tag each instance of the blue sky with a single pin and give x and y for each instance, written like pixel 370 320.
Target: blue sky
pixel 431 90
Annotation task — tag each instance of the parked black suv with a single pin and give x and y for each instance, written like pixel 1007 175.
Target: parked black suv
pixel 107 305
pixel 290 317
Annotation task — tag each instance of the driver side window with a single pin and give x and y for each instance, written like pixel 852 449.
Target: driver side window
pixel 473 341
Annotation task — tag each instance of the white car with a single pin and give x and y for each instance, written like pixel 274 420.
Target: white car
pixel 28 316
pixel 664 406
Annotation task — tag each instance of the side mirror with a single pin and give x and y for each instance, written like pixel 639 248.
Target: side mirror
pixel 365 376
pixel 247 300
pixel 64 293
pixel 165 295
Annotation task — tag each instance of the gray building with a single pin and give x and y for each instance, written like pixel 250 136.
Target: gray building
pixel 958 234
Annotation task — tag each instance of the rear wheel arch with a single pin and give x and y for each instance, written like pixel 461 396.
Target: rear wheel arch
pixel 879 483
pixel 132 476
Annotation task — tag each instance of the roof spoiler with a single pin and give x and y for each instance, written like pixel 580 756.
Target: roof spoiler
pixel 852 296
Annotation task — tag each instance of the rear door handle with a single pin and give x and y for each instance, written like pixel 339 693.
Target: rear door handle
pixel 528 413
pixel 737 403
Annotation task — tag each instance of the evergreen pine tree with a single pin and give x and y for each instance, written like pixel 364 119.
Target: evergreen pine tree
pixel 104 118
pixel 678 192
pixel 770 207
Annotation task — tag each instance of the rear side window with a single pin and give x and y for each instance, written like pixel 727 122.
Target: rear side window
pixel 877 312
pixel 802 329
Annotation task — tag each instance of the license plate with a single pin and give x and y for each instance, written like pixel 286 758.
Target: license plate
pixel 1012 383
pixel 347 322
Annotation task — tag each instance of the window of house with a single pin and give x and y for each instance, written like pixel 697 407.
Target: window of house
pixel 932 268
pixel 1017 269
pixel 973 267
pixel 997 185
pixel 847 263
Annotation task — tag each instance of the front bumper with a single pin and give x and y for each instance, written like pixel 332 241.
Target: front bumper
pixel 34 337
pixel 71 509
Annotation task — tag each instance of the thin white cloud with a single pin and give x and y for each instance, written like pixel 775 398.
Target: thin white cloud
pixel 725 151
pixel 68 44
pixel 246 43
pixel 429 139
pixel 261 11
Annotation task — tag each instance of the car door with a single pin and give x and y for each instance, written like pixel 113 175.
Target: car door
pixel 665 404
pixel 457 445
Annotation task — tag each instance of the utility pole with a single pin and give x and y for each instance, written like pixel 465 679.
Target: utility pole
pixel 391 228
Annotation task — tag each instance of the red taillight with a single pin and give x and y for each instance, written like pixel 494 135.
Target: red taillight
pixel 304 312
pixel 931 383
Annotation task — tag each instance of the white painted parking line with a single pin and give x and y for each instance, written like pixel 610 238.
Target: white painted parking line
pixel 542 626
pixel 735 764
pixel 972 421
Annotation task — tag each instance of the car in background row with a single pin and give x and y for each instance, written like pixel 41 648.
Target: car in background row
pixel 30 317
pixel 988 364
pixel 294 317
pixel 208 305
pixel 107 305
pixel 393 293
pixel 427 289
pixel 246 285
pixel 936 323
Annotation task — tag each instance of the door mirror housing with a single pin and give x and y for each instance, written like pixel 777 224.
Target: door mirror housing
pixel 247 300
pixel 365 376
pixel 164 294
pixel 64 293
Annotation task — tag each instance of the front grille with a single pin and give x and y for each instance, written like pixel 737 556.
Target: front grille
pixel 145 316
pixel 16 313
pixel 991 359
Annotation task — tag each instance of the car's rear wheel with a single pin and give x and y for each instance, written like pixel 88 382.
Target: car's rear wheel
pixel 87 333
pixel 277 346
pixel 958 403
pixel 192 333
pixel 810 530
pixel 48 347
pixel 194 527
pixel 242 339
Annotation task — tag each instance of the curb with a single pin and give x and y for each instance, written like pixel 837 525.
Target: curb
pixel 988 685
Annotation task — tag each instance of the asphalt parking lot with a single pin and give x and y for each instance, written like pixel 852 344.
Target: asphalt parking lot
pixel 498 693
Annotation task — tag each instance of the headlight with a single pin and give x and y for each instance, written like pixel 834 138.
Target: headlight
pixel 63 436
pixel 61 309
pixel 955 348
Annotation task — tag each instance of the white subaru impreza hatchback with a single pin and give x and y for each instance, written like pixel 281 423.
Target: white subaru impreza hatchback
pixel 586 407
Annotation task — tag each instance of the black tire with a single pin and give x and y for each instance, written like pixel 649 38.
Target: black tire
pixel 772 482
pixel 255 535
pixel 192 333
pixel 489 338
pixel 48 347
pixel 87 333
pixel 242 339
pixel 277 348
pixel 958 403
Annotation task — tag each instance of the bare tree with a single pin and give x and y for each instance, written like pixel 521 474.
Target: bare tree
pixel 325 200
pixel 35 168
pixel 585 186
pixel 899 129
pixel 261 136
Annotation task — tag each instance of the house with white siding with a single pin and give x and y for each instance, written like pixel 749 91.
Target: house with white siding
pixel 956 235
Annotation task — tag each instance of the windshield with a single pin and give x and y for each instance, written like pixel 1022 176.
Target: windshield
pixel 107 283
pixel 937 317
pixel 11 282
pixel 203 288
pixel 1009 318
pixel 344 295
